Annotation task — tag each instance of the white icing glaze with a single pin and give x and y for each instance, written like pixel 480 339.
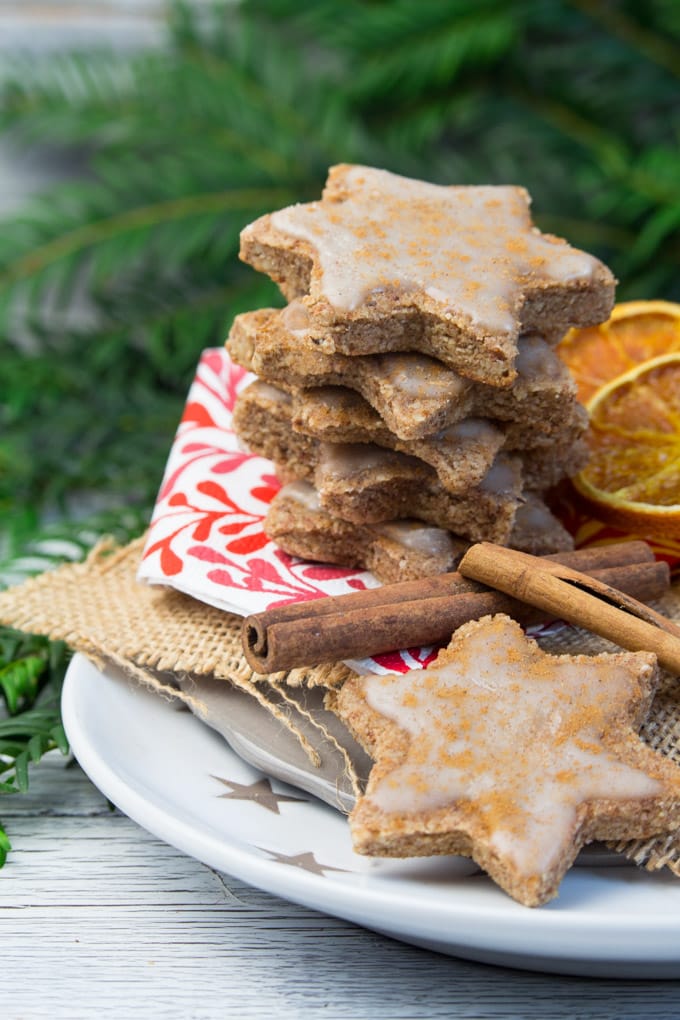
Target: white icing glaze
pixel 471 249
pixel 535 358
pixel 295 317
pixel 534 516
pixel 418 537
pixel 417 376
pixel 518 737
pixel 471 436
pixel 346 460
pixel 270 392
pixel 470 430
pixel 302 492
pixel 500 477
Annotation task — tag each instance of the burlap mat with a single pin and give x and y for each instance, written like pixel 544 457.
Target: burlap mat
pixel 99 608
pixel 158 636
pixel 187 650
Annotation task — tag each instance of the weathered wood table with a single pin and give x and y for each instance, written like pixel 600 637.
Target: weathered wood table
pixel 98 918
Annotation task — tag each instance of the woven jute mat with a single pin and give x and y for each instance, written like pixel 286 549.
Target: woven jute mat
pixel 186 650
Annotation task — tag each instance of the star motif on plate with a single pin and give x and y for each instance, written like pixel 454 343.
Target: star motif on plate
pixel 506 754
pixel 260 792
pixel 305 862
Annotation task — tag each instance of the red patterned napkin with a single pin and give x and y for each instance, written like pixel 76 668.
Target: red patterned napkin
pixel 206 536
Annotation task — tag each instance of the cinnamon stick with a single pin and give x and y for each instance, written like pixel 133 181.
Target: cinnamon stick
pixel 577 598
pixel 616 554
pixel 420 612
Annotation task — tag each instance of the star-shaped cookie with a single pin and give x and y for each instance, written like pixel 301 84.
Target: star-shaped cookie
pixel 508 755
pixel 393 550
pixel 415 395
pixel 460 271
pixel 266 419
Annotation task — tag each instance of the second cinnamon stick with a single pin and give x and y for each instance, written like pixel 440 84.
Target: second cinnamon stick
pixel 346 632
pixel 567 594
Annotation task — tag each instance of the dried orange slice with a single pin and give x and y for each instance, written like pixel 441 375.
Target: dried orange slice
pixel 636 332
pixel 633 477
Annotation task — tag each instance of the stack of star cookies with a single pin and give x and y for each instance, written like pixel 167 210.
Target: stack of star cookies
pixel 410 394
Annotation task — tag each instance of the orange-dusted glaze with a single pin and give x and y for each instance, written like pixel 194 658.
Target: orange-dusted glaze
pixel 512 735
pixel 471 249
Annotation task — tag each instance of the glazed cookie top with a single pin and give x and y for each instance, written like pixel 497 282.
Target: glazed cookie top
pixel 473 250
pixel 510 746
pixel 512 731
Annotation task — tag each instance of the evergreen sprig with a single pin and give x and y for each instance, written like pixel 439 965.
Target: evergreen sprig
pixel 31 674
pixel 112 282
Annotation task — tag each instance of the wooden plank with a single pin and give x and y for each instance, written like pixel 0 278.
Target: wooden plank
pixel 97 917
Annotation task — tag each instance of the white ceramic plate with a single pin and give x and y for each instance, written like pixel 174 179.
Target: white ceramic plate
pixel 180 780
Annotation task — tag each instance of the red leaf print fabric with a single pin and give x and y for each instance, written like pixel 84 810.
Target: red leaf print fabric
pixel 206 537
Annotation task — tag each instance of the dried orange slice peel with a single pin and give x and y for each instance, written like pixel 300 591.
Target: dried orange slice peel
pixel 633 477
pixel 636 332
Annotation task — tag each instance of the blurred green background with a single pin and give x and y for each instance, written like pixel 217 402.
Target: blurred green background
pixel 113 282
pixel 115 279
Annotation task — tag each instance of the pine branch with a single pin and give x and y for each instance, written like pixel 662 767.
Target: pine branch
pixel 65 541
pixel 657 48
pixel 31 676
pixel 128 221
pixel 53 247
pixel 32 668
